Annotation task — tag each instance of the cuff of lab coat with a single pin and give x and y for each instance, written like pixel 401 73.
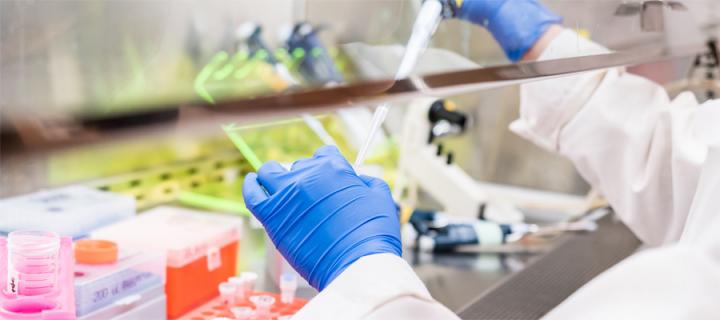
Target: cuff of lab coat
pixel 367 284
pixel 546 106
pixel 569 44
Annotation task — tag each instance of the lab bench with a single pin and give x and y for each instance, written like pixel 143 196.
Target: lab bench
pixel 524 285
pixel 514 284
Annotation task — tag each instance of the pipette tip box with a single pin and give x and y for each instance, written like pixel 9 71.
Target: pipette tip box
pixel 99 286
pixel 201 250
pixel 70 211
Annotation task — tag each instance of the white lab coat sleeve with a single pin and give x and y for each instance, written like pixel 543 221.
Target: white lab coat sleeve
pixel 623 134
pixel 673 282
pixel 703 226
pixel 380 286
pixel 679 281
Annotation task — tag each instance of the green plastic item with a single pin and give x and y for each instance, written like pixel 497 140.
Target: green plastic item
pixel 239 75
pixel 283 141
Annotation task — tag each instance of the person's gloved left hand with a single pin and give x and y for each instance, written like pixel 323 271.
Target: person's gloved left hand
pixel 321 215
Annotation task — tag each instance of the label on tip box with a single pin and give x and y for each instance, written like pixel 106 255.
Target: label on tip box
pixel 214 259
pixel 106 291
pixel 98 286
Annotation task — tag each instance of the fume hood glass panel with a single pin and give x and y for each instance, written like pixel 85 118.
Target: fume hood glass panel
pixel 91 59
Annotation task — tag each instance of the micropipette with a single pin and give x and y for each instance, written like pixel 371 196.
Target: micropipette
pixel 425 25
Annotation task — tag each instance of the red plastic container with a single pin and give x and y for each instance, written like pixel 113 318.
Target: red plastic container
pixel 218 308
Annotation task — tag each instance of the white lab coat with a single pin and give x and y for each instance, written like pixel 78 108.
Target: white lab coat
pixel 657 162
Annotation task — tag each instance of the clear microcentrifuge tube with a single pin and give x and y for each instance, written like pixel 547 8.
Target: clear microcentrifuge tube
pixel 248 280
pixel 227 292
pixel 288 285
pixel 242 313
pixel 239 283
pixel 262 305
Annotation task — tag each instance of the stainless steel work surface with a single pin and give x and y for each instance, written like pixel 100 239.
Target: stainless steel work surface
pixel 517 285
pixel 455 279
pixel 522 285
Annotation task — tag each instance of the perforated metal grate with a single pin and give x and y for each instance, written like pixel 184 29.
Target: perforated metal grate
pixel 534 291
pixel 161 184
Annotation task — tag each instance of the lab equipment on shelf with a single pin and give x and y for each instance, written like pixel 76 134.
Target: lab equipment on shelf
pixel 36 274
pixel 201 250
pixel 425 165
pixel 70 211
pixel 312 58
pixel 110 283
pixel 247 305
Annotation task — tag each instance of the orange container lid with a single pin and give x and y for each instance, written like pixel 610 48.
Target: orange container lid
pixel 91 251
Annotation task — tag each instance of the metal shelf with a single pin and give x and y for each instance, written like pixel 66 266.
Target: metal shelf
pixel 194 116
pixel 446 84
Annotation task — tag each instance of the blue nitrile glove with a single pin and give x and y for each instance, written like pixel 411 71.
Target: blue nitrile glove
pixel 515 24
pixel 321 215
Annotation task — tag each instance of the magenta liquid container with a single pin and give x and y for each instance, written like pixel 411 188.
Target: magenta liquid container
pixel 33 262
pixel 36 276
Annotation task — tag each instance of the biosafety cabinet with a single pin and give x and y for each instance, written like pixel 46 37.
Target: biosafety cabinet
pixel 115 115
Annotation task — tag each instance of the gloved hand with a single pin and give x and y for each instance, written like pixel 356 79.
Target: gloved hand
pixel 515 24
pixel 322 216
